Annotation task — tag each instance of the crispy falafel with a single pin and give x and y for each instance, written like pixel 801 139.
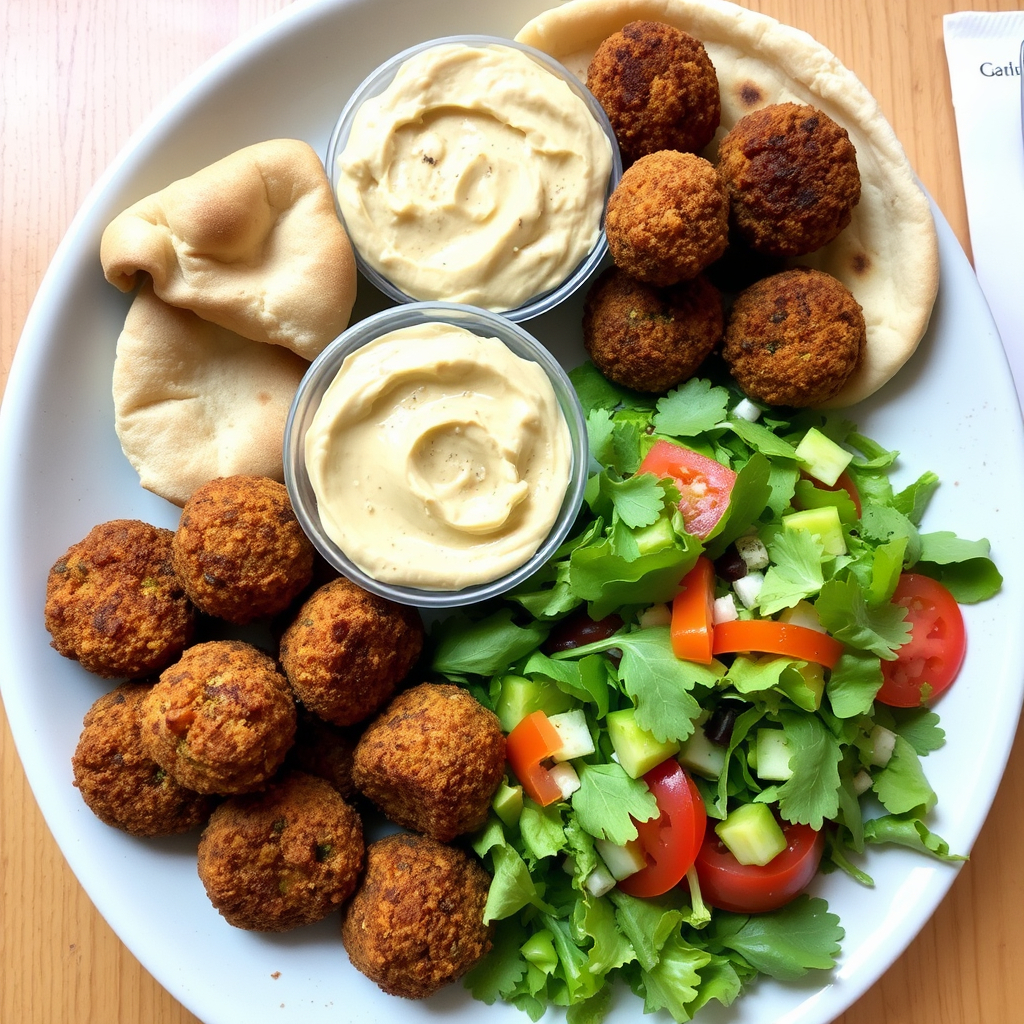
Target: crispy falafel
pixel 792 177
pixel 658 87
pixel 282 858
pixel 115 604
pixel 239 549
pixel 221 719
pixel 415 923
pixel 347 650
pixel 794 338
pixel 668 218
pixel 119 783
pixel 432 760
pixel 647 338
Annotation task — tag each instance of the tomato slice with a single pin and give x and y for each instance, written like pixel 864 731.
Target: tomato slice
pixel 671 840
pixel 704 484
pixel 727 884
pixel 693 612
pixel 526 747
pixel 771 637
pixel 929 661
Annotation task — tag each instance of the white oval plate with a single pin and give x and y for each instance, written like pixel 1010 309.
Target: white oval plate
pixel 952 409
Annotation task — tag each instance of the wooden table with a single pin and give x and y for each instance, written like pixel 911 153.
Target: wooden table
pixel 78 78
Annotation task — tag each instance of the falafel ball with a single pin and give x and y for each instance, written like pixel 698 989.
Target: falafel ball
pixel 432 760
pixel 324 750
pixel 282 858
pixel 347 650
pixel 792 177
pixel 668 218
pixel 119 783
pixel 794 338
pixel 416 921
pixel 115 604
pixel 239 549
pixel 647 338
pixel 220 720
pixel 658 87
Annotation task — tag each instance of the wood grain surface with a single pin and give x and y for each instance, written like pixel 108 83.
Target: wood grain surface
pixel 79 76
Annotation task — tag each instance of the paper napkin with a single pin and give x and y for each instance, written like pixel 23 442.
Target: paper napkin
pixel 983 53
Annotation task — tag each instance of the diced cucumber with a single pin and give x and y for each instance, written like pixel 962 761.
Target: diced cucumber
pixel 823 523
pixel 621 861
pixel 752 834
pixel 883 743
pixel 519 697
pixel 656 537
pixel 820 457
pixel 574 733
pixel 636 749
pixel 702 756
pixel 599 881
pixel 773 754
pixel 508 803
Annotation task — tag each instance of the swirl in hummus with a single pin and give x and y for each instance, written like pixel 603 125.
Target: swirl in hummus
pixel 478 176
pixel 439 458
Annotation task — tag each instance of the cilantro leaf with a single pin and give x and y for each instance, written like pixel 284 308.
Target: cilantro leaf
pixel 812 793
pixel 607 801
pixel 499 973
pixel 541 829
pixel 646 923
pixel 909 831
pixel 913 500
pixel 855 680
pixel 692 408
pixel 787 943
pixel 843 611
pixel 595 391
pixel 760 438
pixel 638 500
pixel 512 888
pixel 920 728
pixel 969 582
pixel 901 785
pixel 796 571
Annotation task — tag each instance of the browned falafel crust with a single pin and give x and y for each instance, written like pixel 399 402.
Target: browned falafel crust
pixel 415 923
pixel 221 719
pixel 658 87
pixel 646 338
pixel 792 177
pixel 432 760
pixel 115 604
pixel 239 549
pixel 324 750
pixel 119 783
pixel 282 858
pixel 668 218
pixel 794 338
pixel 347 650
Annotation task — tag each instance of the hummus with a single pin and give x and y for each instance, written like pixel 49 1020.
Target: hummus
pixel 477 176
pixel 439 459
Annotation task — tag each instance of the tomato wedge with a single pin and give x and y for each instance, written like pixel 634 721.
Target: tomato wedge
pixel 693 613
pixel 705 485
pixel 727 884
pixel 771 637
pixel 929 661
pixel 671 840
pixel 526 747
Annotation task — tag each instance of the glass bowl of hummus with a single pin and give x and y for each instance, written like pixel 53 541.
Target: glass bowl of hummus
pixel 436 454
pixel 474 169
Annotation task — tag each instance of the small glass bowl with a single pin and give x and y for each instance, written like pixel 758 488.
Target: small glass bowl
pixel 324 369
pixel 377 82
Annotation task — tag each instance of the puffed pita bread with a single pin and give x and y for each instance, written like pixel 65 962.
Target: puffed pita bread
pixel 194 401
pixel 888 256
pixel 251 242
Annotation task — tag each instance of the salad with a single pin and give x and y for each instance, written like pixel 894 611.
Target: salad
pixel 718 686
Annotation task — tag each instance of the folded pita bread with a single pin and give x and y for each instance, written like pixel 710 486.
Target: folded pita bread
pixel 193 401
pixel 251 242
pixel 888 255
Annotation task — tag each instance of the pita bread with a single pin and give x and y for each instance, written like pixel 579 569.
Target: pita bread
pixel 251 242
pixel 193 401
pixel 888 255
